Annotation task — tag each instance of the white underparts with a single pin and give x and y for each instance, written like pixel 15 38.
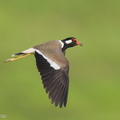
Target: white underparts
pixel 62 44
pixel 52 63
pixel 68 41
pixel 30 50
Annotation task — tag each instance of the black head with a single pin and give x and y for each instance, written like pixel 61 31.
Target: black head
pixel 70 42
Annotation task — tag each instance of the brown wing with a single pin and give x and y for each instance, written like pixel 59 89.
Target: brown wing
pixel 55 82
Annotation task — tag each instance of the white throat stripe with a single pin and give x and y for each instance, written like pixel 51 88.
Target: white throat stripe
pixel 52 63
pixel 62 44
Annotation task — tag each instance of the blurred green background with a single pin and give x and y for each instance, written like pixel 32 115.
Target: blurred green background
pixel 94 92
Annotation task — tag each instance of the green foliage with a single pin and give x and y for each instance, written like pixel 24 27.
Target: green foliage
pixel 94 92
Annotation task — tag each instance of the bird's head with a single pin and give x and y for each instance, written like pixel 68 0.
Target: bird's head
pixel 70 42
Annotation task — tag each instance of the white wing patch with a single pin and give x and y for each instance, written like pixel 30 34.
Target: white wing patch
pixel 68 41
pixel 52 63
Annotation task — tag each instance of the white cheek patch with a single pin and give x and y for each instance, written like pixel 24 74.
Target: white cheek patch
pixel 68 41
pixel 52 63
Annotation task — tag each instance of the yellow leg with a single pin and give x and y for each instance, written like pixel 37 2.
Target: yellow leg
pixel 12 59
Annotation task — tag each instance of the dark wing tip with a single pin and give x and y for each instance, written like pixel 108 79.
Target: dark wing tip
pixel 59 95
pixel 61 101
pixel 57 88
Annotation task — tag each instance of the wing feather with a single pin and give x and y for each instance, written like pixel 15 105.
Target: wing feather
pixel 55 82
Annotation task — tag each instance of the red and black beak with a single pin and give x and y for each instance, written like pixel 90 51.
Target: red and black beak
pixel 78 43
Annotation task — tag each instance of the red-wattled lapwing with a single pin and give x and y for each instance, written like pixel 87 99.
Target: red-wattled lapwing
pixel 53 67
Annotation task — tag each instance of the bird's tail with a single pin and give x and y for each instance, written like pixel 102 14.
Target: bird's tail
pixel 21 55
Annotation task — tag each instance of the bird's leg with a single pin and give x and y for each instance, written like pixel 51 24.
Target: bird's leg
pixel 12 59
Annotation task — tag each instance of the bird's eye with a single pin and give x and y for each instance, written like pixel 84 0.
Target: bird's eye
pixel 74 40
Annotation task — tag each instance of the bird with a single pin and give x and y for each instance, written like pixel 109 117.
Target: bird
pixel 53 67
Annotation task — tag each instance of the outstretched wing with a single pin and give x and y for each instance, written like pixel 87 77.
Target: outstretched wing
pixel 54 78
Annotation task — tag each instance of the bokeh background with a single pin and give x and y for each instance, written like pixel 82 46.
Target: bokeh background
pixel 94 92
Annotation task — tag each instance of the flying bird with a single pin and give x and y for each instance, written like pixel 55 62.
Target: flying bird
pixel 53 67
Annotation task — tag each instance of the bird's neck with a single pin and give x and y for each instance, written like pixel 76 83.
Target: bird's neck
pixel 64 46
